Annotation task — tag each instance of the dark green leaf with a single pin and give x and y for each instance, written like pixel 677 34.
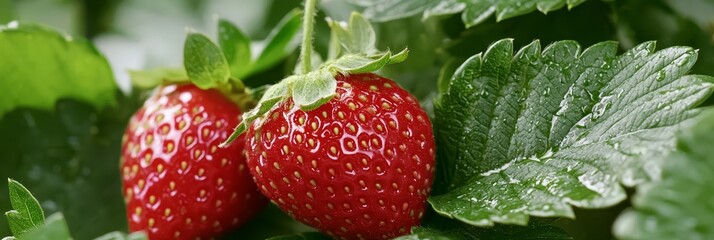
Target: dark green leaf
pixel 278 44
pixel 154 77
pixel 204 62
pixel 474 12
pixel 69 157
pixel 680 205
pixel 236 48
pixel 54 229
pixel 436 227
pixel 536 132
pixel 41 65
pixel 27 214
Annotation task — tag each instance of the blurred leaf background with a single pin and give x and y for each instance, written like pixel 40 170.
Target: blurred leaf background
pixel 68 156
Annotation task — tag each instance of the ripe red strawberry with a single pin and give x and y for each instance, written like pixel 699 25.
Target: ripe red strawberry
pixel 177 182
pixel 358 167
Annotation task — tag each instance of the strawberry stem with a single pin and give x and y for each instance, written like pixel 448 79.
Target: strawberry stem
pixel 307 25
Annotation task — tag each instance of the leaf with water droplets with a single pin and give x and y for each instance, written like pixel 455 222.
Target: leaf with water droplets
pixel 679 206
pixel 537 132
pixel 473 12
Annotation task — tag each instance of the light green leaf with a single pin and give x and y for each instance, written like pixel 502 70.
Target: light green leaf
pixel 353 63
pixel 204 62
pixel 54 229
pixel 279 43
pixel 474 12
pixel 27 214
pixel 302 236
pixel 312 90
pixel 680 205
pixel 538 132
pixel 153 77
pixel 355 37
pixel 117 235
pixel 236 48
pixel 41 65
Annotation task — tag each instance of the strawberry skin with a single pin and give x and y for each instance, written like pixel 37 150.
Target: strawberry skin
pixel 177 182
pixel 358 167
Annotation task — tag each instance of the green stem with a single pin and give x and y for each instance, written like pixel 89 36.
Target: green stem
pixel 307 25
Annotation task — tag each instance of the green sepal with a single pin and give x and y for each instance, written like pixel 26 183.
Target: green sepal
pixel 352 48
pixel 236 48
pixel 271 97
pixel 313 89
pixel 352 51
pixel 204 62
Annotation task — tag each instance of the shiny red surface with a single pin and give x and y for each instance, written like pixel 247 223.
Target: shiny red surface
pixel 177 182
pixel 359 166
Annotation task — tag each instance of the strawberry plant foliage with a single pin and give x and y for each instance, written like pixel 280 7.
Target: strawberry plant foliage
pixel 27 214
pixel 538 132
pixel 31 54
pixel 677 207
pixel 473 11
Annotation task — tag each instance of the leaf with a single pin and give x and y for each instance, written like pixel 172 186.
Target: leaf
pixel 151 78
pixel 69 158
pixel 116 235
pixel 41 65
pixel 27 214
pixel 538 132
pixel 358 36
pixel 473 12
pixel 236 48
pixel 679 206
pixel 204 62
pixel 312 90
pixel 279 43
pixel 54 229
pixel 457 233
pixel 302 236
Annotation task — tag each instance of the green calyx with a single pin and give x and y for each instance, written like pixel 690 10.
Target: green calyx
pixel 352 51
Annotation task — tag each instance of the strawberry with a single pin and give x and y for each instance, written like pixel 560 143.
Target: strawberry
pixel 357 167
pixel 177 182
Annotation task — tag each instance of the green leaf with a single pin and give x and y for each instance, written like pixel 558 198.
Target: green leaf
pixel 313 89
pixel 358 37
pixel 117 235
pixel 279 42
pixel 538 132
pixel 353 63
pixel 27 214
pixel 54 229
pixel 151 78
pixel 204 62
pixel 302 236
pixel 41 65
pixel 464 232
pixel 680 205
pixel 473 12
pixel 236 48
pixel 69 158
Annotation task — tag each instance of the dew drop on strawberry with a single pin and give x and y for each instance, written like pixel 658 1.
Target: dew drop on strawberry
pixel 359 166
